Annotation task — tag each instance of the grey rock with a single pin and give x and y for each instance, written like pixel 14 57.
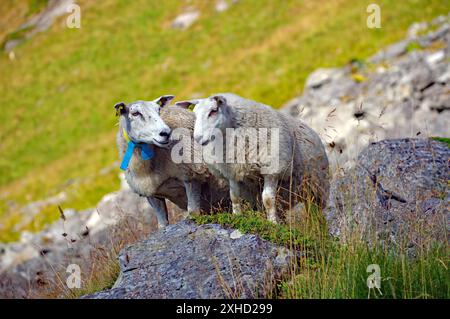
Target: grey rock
pixel 189 261
pixel 433 36
pixel 186 19
pixel 416 28
pixel 392 51
pixel 321 77
pixel 440 19
pixel 436 97
pixel 396 192
pixel 11 44
pixel 41 21
pixel 119 217
pixel 399 93
pixel 444 74
pixel 435 57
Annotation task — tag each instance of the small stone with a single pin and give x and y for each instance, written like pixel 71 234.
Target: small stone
pixel 221 6
pixel 321 77
pixel 185 20
pixel 236 234
pixel 435 57
pixel 417 28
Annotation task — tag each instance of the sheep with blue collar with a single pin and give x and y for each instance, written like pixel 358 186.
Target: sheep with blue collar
pixel 144 145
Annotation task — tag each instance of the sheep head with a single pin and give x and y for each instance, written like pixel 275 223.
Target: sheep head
pixel 142 122
pixel 213 115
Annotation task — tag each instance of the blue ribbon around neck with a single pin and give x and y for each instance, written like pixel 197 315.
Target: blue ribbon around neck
pixel 146 153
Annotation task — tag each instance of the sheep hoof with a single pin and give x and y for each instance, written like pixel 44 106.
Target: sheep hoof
pixel 237 209
pixel 272 219
pixel 162 223
pixel 162 226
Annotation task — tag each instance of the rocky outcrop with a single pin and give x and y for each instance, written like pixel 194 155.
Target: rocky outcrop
pixel 32 264
pixel 190 261
pixel 402 91
pixel 39 22
pixel 397 191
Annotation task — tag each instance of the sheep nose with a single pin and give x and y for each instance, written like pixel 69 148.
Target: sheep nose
pixel 165 133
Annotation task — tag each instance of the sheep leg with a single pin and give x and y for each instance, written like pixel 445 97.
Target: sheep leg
pixel 235 196
pixel 160 210
pixel 269 196
pixel 193 193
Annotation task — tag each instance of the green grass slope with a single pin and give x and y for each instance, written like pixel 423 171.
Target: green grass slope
pixel 57 120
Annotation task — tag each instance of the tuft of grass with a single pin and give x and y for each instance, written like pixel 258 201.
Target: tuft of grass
pixel 334 269
pixel 101 269
pixel 256 223
pixel 18 34
pixel 101 279
pixel 358 77
pixel 445 140
pixel 413 46
pixel 343 271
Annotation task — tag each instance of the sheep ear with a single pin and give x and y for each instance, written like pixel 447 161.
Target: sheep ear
pixel 164 100
pixel 121 108
pixel 220 100
pixel 188 105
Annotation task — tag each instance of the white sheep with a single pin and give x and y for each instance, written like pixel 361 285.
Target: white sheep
pixel 148 125
pixel 300 165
